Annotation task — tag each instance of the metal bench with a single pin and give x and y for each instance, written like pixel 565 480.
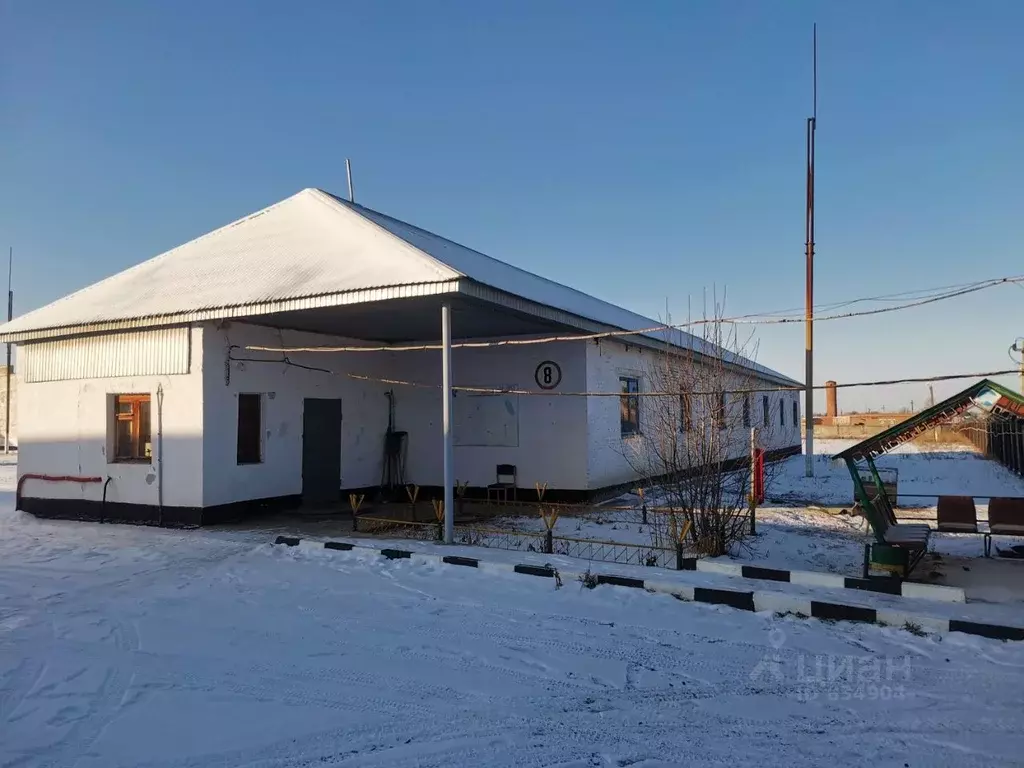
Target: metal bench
pixel 900 546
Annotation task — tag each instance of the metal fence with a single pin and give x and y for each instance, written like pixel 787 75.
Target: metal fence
pixel 543 542
pixel 396 529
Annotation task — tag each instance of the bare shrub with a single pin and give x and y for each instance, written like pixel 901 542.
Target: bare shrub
pixel 699 409
pixel 588 579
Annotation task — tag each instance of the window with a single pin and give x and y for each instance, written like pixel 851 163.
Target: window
pixel 796 413
pixel 685 413
pixel 132 440
pixel 764 409
pixel 250 429
pixel 718 414
pixel 782 412
pixel 629 406
pixel 746 410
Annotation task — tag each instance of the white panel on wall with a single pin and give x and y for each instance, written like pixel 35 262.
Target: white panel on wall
pixel 486 420
pixel 164 351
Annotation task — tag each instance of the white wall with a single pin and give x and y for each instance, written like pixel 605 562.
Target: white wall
pixel 569 443
pixel 363 404
pixel 64 429
pixel 614 459
pixel 551 445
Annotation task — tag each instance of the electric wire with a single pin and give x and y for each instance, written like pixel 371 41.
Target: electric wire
pixel 752 319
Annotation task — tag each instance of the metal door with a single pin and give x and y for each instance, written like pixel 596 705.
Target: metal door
pixel 321 451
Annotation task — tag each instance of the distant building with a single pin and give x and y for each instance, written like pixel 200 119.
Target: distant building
pixel 149 381
pixel 13 433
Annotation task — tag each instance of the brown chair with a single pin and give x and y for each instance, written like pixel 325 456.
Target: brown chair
pixel 1005 518
pixel 957 514
pixel 506 479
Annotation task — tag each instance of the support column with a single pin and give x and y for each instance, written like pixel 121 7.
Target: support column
pixel 446 420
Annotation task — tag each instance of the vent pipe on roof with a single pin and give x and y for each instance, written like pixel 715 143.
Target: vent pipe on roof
pixel 351 189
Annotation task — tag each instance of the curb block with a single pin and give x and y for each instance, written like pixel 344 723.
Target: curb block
pixel 739 599
pixel 833 581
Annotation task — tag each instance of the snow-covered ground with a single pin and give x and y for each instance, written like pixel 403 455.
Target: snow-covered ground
pixel 808 533
pixel 943 470
pixel 125 646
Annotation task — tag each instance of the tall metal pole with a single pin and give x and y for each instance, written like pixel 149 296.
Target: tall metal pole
pixel 351 188
pixel 1018 346
pixel 10 316
pixel 446 421
pixel 809 320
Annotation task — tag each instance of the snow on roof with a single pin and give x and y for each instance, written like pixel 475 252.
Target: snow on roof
pixel 314 244
pixel 489 271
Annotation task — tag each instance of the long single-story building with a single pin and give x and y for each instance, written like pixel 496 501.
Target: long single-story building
pixel 147 389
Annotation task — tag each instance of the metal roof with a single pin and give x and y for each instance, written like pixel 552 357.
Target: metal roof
pixel 985 397
pixel 310 251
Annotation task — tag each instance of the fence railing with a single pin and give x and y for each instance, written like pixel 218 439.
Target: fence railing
pixel 543 542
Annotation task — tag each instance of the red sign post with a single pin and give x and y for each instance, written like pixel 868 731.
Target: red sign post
pixel 758 476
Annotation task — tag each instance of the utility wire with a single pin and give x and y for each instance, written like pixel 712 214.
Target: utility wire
pixel 677 393
pixel 739 319
pixel 750 391
pixel 918 293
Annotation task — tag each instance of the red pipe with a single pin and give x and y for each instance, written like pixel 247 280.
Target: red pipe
pixel 52 479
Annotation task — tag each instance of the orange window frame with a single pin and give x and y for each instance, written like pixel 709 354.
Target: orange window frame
pixel 134 415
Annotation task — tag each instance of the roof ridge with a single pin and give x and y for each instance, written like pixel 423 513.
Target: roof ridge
pixel 683 338
pixel 468 248
pixel 352 207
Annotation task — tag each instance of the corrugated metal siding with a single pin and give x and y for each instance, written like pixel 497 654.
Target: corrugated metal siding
pixel 142 353
pixel 247 310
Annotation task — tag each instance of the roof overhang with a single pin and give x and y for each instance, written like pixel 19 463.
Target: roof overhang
pixel 985 396
pixel 393 314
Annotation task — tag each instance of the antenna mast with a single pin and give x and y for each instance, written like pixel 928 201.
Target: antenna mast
pixel 809 251
pixel 351 189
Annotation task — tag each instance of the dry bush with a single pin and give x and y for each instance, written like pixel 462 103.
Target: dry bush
pixel 694 451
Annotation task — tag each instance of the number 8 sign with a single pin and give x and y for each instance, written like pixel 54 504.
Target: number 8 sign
pixel 548 375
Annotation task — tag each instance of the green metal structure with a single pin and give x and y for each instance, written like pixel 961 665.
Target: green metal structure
pixel 985 404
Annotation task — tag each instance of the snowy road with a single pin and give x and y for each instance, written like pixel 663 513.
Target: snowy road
pixel 126 646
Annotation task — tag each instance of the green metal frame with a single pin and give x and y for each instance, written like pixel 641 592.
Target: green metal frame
pixel 865 500
pixel 868 449
pixel 873 445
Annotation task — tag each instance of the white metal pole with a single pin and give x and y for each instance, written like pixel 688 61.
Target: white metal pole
pixel 10 316
pixel 446 419
pixel 812 126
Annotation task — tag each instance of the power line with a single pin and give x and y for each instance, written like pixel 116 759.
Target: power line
pixel 918 293
pixel 550 393
pixel 750 391
pixel 737 320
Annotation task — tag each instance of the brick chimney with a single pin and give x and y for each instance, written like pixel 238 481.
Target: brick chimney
pixel 831 401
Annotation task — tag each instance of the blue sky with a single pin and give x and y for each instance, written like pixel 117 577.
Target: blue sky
pixel 642 152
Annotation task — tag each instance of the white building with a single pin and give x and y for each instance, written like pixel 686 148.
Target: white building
pixel 147 385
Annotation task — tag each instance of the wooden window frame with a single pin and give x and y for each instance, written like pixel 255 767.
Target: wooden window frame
pixel 134 416
pixel 629 403
pixel 685 412
pixel 247 460
pixel 719 413
pixel 766 410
